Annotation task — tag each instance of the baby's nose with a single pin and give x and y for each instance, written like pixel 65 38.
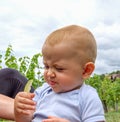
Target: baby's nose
pixel 50 73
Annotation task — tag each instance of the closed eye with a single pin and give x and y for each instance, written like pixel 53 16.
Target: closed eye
pixel 46 67
pixel 59 69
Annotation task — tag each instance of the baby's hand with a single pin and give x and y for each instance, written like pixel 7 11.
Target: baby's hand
pixel 24 106
pixel 55 119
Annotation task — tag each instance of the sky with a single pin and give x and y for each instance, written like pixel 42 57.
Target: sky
pixel 25 24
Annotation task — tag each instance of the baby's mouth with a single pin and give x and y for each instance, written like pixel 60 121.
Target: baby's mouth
pixel 52 83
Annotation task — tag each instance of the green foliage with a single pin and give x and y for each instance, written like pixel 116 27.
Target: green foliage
pixel 108 91
pixel 24 63
pixel 10 59
pixel 96 82
pixel 34 71
pixel 29 67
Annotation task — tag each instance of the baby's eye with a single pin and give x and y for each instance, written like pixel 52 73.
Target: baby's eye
pixel 59 69
pixel 46 67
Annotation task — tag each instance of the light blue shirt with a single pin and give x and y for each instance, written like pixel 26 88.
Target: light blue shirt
pixel 81 105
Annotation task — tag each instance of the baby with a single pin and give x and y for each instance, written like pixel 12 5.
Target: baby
pixel 69 55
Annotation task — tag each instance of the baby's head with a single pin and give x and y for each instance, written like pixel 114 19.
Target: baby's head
pixel 69 55
pixel 80 42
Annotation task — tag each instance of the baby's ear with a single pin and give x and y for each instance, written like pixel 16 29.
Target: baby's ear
pixel 88 69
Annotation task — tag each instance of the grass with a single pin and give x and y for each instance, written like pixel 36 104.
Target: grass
pixel 3 120
pixel 112 116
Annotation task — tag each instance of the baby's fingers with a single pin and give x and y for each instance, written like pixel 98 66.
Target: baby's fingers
pixel 26 101
pixel 26 95
pixel 24 111
pixel 26 106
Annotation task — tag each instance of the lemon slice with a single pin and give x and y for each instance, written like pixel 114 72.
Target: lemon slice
pixel 28 86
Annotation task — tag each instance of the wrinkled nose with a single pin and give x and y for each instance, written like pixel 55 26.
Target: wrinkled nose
pixel 50 73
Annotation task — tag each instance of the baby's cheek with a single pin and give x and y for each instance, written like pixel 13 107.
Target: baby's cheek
pixel 45 76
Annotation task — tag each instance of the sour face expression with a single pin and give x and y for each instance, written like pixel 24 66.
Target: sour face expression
pixel 62 70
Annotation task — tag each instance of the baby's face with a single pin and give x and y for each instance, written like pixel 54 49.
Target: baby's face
pixel 62 70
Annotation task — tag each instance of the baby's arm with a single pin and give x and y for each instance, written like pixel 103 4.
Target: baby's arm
pixel 24 107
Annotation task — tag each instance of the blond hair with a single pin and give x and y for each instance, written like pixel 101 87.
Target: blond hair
pixel 82 40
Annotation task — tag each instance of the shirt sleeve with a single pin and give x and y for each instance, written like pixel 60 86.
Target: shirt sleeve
pixel 92 108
